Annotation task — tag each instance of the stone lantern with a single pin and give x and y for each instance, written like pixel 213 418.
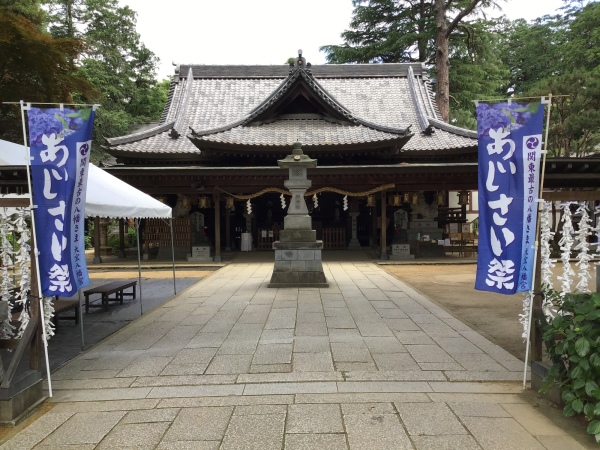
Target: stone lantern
pixel 297 252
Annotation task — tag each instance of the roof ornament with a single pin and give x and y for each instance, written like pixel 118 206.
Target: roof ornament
pixel 300 63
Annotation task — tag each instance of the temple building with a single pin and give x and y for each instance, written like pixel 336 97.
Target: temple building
pixel 384 156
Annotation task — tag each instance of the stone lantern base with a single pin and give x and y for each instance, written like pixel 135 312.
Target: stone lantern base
pixel 298 264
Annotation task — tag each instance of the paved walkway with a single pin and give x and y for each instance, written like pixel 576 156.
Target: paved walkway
pixel 367 363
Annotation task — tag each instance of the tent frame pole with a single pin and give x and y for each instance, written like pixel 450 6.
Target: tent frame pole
pixel 173 255
pixel 137 236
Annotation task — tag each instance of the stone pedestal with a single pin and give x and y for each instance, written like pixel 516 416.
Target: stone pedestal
pixel 354 243
pixel 200 253
pixel 401 251
pixel 298 264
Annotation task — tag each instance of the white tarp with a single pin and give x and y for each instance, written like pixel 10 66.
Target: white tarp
pixel 106 196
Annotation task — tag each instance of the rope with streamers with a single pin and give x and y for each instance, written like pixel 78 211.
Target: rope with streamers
pixel 383 187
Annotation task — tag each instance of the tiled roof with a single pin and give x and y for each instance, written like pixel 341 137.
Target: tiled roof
pixel 221 98
pixel 311 132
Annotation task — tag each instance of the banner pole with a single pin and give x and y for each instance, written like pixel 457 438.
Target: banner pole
pixel 36 251
pixel 545 101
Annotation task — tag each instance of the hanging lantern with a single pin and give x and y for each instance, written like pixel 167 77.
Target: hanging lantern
pixel 229 203
pixel 441 198
pixel 395 200
pixel 203 201
pixel 406 197
pixel 185 201
pixel 370 201
pixel 463 198
pixel 415 198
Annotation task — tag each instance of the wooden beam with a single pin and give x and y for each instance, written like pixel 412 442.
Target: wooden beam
pixel 383 232
pixel 217 206
pixel 565 196
pixel 22 202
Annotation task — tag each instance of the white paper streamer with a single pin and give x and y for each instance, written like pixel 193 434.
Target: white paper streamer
pixel 23 262
pixel 345 203
pixel 582 245
pixel 566 244
pixel 48 315
pixel 315 201
pixel 249 207
pixel 547 263
pixel 283 205
pixel 524 317
pixel 6 253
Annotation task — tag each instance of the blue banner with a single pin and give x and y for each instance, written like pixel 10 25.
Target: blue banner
pixel 60 141
pixel 510 143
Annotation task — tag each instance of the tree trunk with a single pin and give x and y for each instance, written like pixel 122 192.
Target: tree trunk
pixel 442 94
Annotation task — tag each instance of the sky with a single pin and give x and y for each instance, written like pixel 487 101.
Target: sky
pixel 260 31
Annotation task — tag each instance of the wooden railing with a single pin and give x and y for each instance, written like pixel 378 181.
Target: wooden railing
pixel 266 237
pixel 334 238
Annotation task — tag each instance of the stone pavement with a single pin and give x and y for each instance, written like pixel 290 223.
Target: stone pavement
pixel 368 363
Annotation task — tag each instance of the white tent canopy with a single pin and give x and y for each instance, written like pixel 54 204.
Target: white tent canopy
pixel 107 196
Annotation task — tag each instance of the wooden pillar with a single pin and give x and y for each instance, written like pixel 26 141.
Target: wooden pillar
pixel 383 234
pixel 97 258
pixel 374 225
pixel 122 231
pixel 217 204
pixel 227 229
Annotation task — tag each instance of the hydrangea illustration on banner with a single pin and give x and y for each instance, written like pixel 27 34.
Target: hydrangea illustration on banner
pixel 510 144
pixel 60 144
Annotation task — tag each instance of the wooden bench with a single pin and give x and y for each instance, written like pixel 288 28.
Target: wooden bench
pixel 106 290
pixel 61 306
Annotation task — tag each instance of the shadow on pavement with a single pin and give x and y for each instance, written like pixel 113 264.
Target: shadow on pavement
pixel 98 324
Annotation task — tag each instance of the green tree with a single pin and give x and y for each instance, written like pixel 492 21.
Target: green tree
pixel 115 62
pixel 34 67
pixel 477 69
pixel 403 31
pixel 560 55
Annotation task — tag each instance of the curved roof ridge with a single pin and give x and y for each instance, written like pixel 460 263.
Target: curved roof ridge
pixel 453 129
pixel 141 135
pixel 421 114
pixel 176 130
pixel 318 90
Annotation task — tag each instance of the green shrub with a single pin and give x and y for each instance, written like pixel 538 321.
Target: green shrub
pixel 573 344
